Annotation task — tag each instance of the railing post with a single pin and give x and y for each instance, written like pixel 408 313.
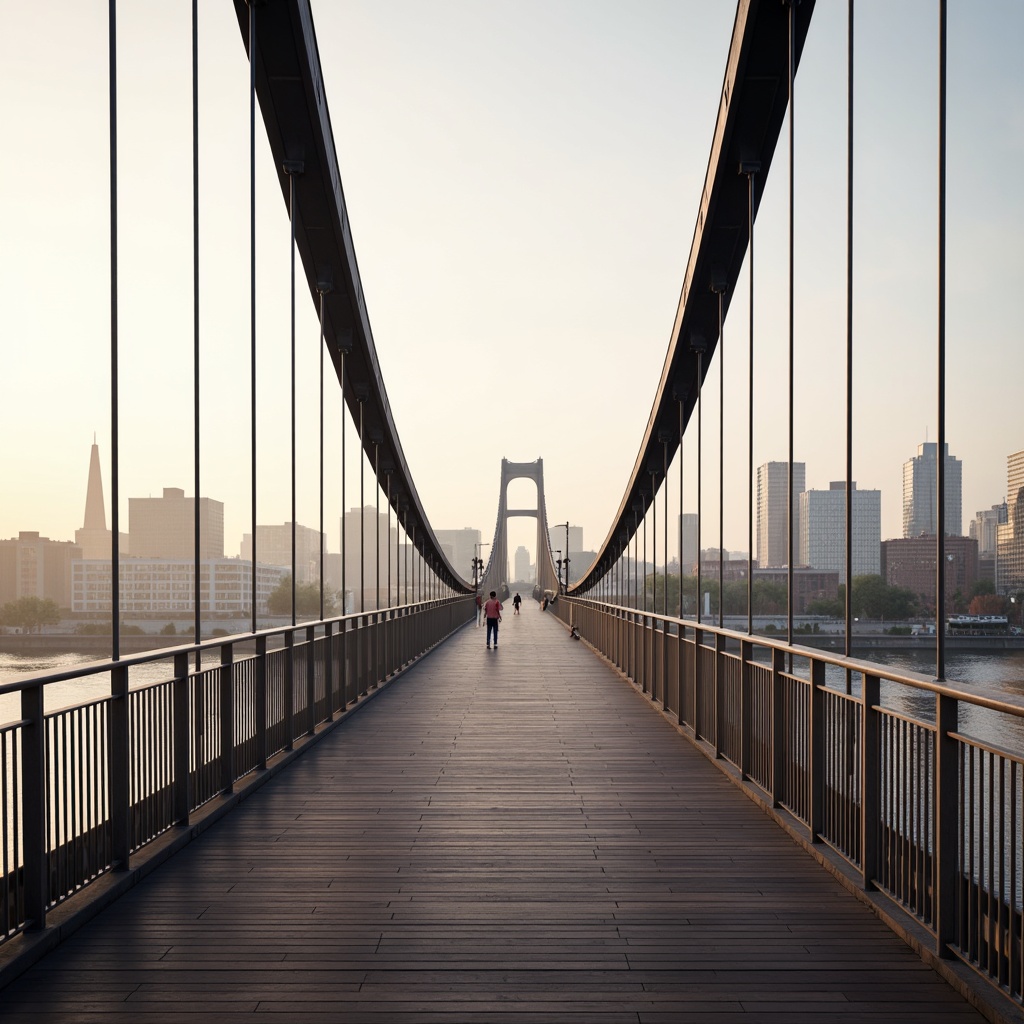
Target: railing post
pixel 698 639
pixel 869 780
pixel 719 692
pixel 329 702
pixel 227 719
pixel 181 733
pixel 311 678
pixel 260 687
pixel 947 840
pixel 746 656
pixel 816 750
pixel 778 752
pixel 33 805
pixel 120 765
pixel 289 690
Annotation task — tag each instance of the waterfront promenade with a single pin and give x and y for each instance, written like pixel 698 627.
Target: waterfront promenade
pixel 509 835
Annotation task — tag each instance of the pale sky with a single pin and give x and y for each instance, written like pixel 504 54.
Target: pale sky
pixel 523 180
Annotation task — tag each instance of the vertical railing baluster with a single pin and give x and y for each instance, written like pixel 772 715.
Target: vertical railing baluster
pixel 180 739
pixel 817 744
pixel 311 678
pixel 869 774
pixel 778 724
pixel 119 768
pixel 33 806
pixel 946 821
pixel 260 697
pixel 227 719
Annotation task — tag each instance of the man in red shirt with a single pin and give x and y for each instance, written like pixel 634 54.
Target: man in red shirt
pixel 492 610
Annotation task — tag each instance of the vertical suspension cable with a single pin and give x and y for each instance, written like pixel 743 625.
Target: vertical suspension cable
pixel 252 286
pixel 664 477
pixel 376 521
pixel 679 400
pixel 388 475
pixel 362 512
pixel 115 458
pixel 291 226
pixel 790 511
pixel 198 586
pixel 699 348
pixel 940 451
pixel 750 170
pixel 721 458
pixel 322 342
pixel 849 342
pixel 344 508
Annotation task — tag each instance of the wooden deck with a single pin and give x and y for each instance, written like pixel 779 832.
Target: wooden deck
pixel 509 835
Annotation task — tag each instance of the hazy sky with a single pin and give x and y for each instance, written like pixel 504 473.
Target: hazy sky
pixel 523 180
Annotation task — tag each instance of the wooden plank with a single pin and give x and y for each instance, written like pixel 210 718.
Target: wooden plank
pixel 508 835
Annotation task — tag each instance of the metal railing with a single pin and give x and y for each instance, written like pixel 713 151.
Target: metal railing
pixel 85 787
pixel 871 762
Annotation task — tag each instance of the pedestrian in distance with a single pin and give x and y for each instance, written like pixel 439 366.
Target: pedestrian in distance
pixel 516 602
pixel 492 610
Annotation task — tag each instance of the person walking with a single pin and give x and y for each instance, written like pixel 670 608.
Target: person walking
pixel 492 610
pixel 516 602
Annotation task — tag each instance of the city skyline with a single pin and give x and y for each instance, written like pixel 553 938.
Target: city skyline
pixel 511 195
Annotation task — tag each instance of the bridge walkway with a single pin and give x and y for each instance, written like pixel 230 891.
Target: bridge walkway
pixel 509 835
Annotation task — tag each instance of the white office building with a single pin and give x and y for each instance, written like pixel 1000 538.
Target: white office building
pixel 166 586
pixel 823 530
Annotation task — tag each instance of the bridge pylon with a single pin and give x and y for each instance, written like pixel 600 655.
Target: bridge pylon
pixel 496 575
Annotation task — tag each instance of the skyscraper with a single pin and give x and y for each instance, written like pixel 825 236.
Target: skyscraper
pixel 920 513
pixel 687 524
pixel 823 530
pixel 773 500
pixel 522 563
pixel 1010 565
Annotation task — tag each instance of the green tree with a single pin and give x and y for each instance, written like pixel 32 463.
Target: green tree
pixel 769 598
pixel 307 600
pixel 656 586
pixel 30 613
pixel 873 598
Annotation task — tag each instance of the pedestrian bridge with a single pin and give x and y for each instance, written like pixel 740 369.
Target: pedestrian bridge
pixel 667 820
pixel 513 834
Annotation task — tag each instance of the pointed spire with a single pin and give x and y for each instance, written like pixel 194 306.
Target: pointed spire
pixel 95 513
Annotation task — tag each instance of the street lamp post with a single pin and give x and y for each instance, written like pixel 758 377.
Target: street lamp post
pixel 565 560
pixel 558 567
pixel 478 574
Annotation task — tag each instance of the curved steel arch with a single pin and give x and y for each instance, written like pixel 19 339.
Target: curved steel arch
pixel 293 101
pixel 750 117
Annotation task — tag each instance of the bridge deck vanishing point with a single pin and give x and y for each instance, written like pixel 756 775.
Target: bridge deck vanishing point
pixel 509 835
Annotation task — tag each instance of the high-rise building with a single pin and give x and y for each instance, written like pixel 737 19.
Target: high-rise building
pixel 522 564
pixel 1010 562
pixel 165 527
pixel 556 538
pixel 774 499
pixel 984 528
pixel 461 547
pixel 367 581
pixel 274 547
pixel 920 511
pixel 686 525
pixel 823 530
pixel 94 538
pixel 34 566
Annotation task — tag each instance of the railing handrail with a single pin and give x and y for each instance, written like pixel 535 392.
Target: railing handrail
pixel 906 677
pixel 28 680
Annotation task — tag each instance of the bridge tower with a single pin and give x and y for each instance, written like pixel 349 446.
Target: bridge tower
pixel 496 574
